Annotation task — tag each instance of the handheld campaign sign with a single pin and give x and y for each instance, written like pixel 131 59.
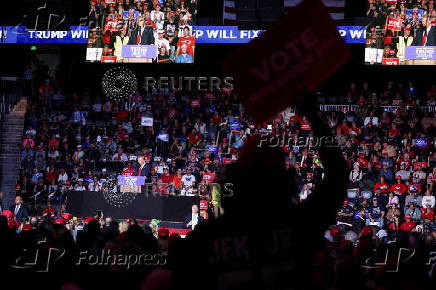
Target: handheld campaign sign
pixel 394 24
pixel 147 121
pixel 421 143
pixel 273 70
pixel 409 14
pixel 126 15
pixel 163 137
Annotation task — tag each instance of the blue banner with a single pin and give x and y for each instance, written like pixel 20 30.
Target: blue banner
pixel 235 125
pixel 409 14
pixel 126 15
pixel 212 149
pixel 353 34
pixel 231 34
pixel 20 34
pixel 224 34
pixel 204 34
pixel 163 137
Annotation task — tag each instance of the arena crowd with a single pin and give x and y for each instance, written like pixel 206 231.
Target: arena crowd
pixel 77 141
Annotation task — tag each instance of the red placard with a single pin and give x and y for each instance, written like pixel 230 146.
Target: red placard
pixel 109 59
pixel 208 177
pixel 296 54
pixel 391 1
pixel 203 204
pixel 110 2
pixel 195 103
pixel 422 164
pixel 394 24
pixel 227 160
pixel 112 25
pixel 391 61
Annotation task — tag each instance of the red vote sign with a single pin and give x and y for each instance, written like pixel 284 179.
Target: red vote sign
pixel 298 53
pixel 394 24
pixel 391 61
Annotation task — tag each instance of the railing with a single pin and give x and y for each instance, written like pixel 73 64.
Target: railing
pixel 354 108
pixel 10 93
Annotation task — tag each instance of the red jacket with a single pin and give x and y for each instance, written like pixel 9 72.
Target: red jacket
pixel 401 188
pixel 407 226
pixel 384 188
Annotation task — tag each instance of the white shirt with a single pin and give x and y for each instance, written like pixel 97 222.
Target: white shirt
pixel 159 42
pixel 428 33
pixel 123 157
pixel 158 18
pixel 17 208
pixel 374 121
pixel 194 220
pixel 428 200
pixel 188 179
pixel 62 177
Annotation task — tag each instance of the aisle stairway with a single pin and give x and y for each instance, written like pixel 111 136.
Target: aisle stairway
pixel 10 154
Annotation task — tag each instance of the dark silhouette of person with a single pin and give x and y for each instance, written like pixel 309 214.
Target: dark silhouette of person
pixel 263 241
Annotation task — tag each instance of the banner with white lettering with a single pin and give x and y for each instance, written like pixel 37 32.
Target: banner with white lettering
pixel 20 34
pixel 139 51
pixel 420 52
pixel 203 34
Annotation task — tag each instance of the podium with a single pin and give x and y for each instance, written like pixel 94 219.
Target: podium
pixel 131 183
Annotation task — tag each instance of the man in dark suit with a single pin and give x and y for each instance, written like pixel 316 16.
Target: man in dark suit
pixel 426 34
pixel 142 34
pixel 144 169
pixel 19 209
pixel 192 220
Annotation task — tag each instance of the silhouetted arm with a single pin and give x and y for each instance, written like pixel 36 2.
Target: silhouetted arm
pixel 327 198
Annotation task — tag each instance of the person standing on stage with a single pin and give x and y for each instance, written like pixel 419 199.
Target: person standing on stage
pixel 143 169
pixel 194 218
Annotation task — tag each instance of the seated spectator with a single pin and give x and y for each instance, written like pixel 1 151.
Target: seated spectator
pixel 376 214
pixel 408 225
pixel 413 212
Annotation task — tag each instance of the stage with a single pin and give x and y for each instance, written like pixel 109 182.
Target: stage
pixel 171 209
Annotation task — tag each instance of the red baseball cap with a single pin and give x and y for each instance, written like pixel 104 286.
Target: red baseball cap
pixel 60 221
pixel 67 216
